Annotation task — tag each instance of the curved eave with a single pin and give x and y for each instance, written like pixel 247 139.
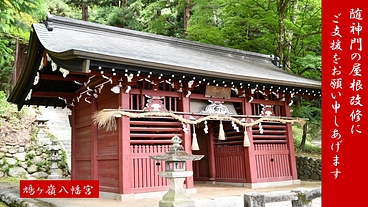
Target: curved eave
pixel 24 83
pixel 186 70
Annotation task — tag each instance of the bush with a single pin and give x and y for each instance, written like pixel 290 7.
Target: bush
pixel 15 125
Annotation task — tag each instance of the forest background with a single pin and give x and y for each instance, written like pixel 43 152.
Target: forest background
pixel 290 30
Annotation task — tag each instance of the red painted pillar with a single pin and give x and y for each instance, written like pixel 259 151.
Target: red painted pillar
pixel 290 139
pixel 125 166
pixel 250 159
pixel 94 138
pixel 73 144
pixel 211 154
pixel 187 142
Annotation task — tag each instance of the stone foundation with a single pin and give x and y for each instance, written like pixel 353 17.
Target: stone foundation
pixel 309 168
pixel 28 161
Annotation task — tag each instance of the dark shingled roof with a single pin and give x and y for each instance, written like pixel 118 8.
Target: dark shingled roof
pixel 69 42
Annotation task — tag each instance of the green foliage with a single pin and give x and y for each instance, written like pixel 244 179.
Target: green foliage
pixel 61 8
pixel 164 18
pixel 124 17
pixel 311 110
pixel 30 156
pixel 63 164
pixel 29 162
pixel 7 110
pixel 44 165
pixel 308 148
pixel 7 168
pixel 3 161
pixel 15 125
pixel 15 19
pixel 255 26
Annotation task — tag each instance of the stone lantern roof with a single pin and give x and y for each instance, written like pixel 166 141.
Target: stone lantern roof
pixel 176 153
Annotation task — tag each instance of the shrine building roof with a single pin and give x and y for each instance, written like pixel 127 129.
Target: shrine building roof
pixel 79 46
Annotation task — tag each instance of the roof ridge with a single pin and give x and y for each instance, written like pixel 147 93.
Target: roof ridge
pixel 51 19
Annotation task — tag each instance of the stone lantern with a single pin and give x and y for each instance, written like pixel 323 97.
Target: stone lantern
pixel 41 134
pixel 54 158
pixel 175 173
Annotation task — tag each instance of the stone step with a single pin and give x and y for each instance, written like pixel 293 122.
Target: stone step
pixel 59 125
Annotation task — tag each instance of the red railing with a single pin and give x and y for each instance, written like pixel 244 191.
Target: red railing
pixel 145 170
pixel 230 163
pixel 272 161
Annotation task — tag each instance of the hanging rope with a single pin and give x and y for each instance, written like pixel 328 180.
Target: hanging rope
pixel 221 134
pixel 246 138
pixel 107 118
pixel 195 145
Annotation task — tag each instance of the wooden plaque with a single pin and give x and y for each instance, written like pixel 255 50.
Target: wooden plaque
pixel 218 92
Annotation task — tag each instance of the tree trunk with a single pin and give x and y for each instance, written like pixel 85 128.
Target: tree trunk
pixel 186 16
pixel 84 11
pixel 281 11
pixel 122 3
pixel 304 136
pixel 290 37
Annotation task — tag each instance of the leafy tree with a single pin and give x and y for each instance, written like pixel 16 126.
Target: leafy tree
pixel 124 17
pixel 206 22
pixel 84 5
pixel 16 17
pixel 153 16
pixel 312 111
pixel 164 17
pixel 61 8
pixel 289 29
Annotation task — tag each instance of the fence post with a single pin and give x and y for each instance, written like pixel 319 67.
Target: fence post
pixel 302 199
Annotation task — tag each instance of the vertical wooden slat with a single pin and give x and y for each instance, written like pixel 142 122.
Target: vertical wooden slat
pixel 211 154
pixel 131 101
pixel 136 170
pixel 155 148
pixel 140 151
pixel 187 141
pixel 150 169
pixel 229 161
pixel 74 144
pixel 125 176
pixel 290 140
pixel 94 140
pixel 250 158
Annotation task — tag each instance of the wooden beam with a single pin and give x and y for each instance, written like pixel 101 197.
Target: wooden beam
pixel 187 141
pixel 74 145
pixel 94 141
pixel 250 159
pixel 52 94
pixel 269 132
pixel 262 136
pixel 211 154
pixel 290 140
pixel 169 136
pixel 161 123
pixel 151 142
pixel 153 129
pixel 68 78
pixel 202 97
pixel 270 126
pixel 154 93
pixel 269 141
pixel 230 142
pixel 125 163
